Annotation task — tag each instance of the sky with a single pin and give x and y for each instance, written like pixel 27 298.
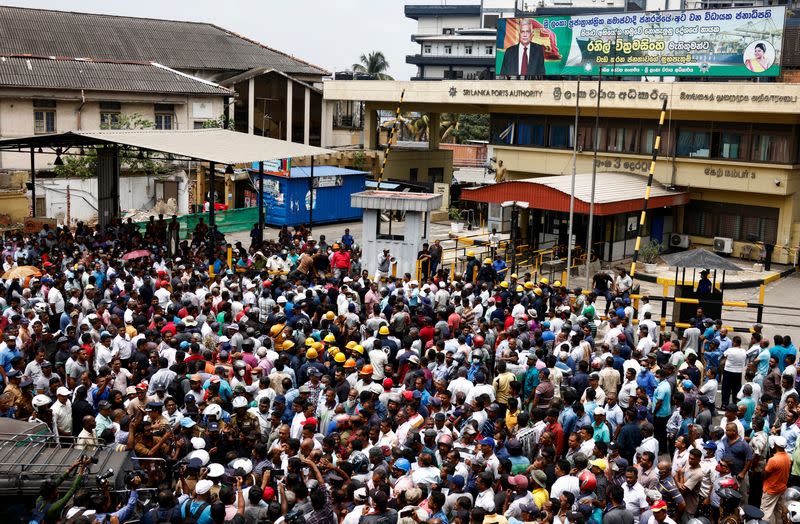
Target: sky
pixel 328 33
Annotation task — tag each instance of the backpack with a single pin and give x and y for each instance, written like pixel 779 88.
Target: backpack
pixel 39 512
pixel 192 517
pixel 168 516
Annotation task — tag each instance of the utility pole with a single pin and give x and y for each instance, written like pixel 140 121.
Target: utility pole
pixel 594 179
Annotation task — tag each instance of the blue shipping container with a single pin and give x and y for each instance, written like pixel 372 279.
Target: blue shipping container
pixel 287 200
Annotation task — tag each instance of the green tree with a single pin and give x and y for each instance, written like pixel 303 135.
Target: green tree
pixel 374 63
pixel 218 123
pixel 471 127
pixel 85 164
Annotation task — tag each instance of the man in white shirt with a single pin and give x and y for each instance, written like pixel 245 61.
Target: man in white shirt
pixel 635 498
pixel 565 481
pixel 62 412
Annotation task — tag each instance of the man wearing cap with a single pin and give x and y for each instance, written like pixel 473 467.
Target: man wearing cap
pixel 660 514
pixel 521 497
pixel 196 506
pixel 776 479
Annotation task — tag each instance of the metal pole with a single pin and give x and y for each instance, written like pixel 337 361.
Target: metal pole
pixel 514 219
pixel 311 198
pixel 212 198
pixel 391 136
pixel 650 173
pixel 261 201
pixel 594 179
pixel 33 183
pixel 572 189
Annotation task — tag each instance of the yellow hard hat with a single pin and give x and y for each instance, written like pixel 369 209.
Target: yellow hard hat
pixel 557 283
pixel 350 363
pixel 537 291
pixel 318 346
pixel 470 253
pixel 529 285
pixel 335 245
pixel 487 260
pixel 288 344
pixel 330 315
pixel 351 344
pixel 311 354
pixel 544 280
pixel 384 330
pixel 333 350
pixel 310 342
pixel 359 349
pixel 513 275
pixel 504 284
pixel 330 338
pixel 339 358
pixel 519 289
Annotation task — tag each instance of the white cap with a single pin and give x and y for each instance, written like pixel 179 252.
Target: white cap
pixel 200 454
pixel 239 402
pixel 203 486
pixel 599 411
pixel 244 463
pixel 216 470
pixel 213 409
pixel 198 443
pixel 77 509
pixel 63 391
pixel 281 300
pixel 777 440
pixel 40 401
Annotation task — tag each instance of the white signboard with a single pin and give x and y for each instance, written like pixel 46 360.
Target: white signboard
pixel 202 110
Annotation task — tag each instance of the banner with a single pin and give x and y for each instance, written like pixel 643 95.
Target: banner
pixel 736 42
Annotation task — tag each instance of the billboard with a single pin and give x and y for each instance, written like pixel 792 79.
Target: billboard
pixel 736 42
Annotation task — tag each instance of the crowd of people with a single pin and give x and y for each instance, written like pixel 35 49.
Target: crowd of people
pixel 291 386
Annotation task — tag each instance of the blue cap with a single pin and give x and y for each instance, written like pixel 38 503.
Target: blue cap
pixel 458 480
pixel 279 399
pixel 184 345
pixel 688 384
pixel 403 464
pixel 488 441
pixel 186 422
pixel 710 445
pixel 417 394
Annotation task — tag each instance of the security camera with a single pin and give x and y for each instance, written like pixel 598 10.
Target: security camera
pixel 777 182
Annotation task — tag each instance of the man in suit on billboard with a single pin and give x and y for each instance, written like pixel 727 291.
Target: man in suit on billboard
pixel 526 58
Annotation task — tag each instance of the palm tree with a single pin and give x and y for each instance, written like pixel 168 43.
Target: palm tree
pixel 375 64
pixel 448 126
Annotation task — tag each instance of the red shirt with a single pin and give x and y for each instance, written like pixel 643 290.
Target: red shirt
pixel 340 260
pixel 426 334
pixel 558 435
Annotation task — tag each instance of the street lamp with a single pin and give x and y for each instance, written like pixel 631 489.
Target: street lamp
pixel 515 206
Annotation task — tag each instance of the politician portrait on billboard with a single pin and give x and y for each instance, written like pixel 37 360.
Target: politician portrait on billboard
pixel 734 42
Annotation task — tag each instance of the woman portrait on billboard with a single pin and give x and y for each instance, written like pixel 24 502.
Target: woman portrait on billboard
pixel 759 56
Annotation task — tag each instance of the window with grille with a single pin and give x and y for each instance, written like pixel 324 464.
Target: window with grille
pixel 44 116
pixel 739 222
pixel 164 116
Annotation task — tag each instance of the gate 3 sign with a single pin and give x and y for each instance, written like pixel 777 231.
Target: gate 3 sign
pixel 737 42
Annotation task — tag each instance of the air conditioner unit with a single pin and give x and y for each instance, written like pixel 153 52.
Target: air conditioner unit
pixel 723 245
pixel 679 241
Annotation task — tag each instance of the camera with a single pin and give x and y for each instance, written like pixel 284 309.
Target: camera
pixel 130 475
pixel 92 460
pixel 102 478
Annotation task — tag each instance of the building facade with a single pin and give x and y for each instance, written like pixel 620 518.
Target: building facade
pixel 731 148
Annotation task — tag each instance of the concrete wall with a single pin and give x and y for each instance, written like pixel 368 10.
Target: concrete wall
pixel 135 192
pixel 433 25
pixel 405 251
pixel 17 118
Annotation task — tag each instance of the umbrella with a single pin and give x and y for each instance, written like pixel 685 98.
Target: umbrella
pixel 22 272
pixel 139 253
pixel 699 258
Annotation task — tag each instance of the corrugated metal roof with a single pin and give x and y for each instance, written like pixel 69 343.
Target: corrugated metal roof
pixel 47 73
pixel 305 171
pixel 180 45
pixel 610 187
pixel 212 145
pixel 614 193
pixel 396 201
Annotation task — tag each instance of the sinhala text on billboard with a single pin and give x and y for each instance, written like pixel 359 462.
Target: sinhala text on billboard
pixel 737 42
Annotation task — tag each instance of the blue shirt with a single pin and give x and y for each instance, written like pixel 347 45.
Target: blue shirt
pixel 763 362
pixel 646 380
pixel 724 343
pixel 778 352
pixel 663 393
pixel 7 355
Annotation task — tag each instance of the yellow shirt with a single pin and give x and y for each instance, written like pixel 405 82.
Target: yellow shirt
pixel 540 496
pixel 511 419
